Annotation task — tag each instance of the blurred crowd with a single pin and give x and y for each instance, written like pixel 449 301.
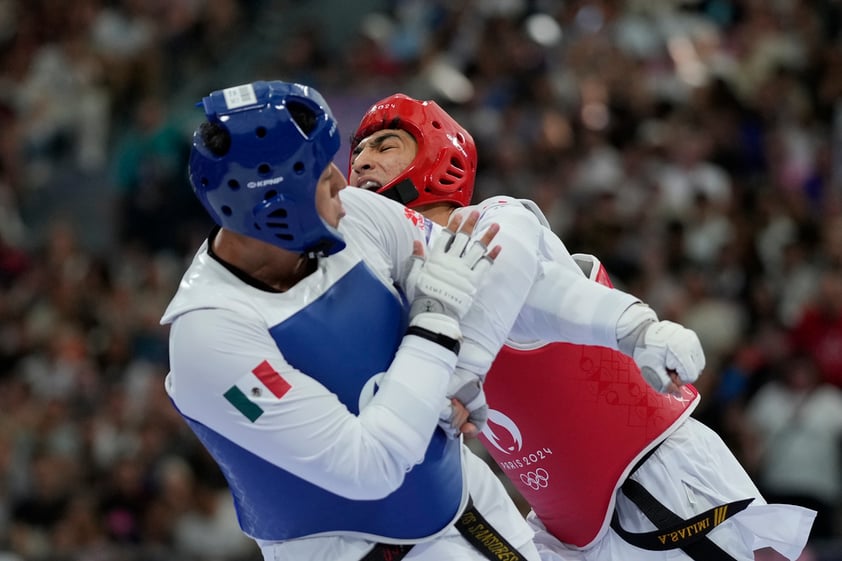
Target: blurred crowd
pixel 695 147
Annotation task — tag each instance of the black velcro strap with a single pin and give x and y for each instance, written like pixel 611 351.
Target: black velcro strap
pixel 387 552
pixel 482 535
pixel 674 532
pixel 448 343
pixel 404 192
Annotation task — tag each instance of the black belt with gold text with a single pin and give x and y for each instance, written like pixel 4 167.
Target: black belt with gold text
pixel 673 531
pixel 473 527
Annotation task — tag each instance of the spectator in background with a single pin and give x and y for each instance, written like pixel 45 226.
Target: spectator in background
pixel 154 211
pixel 794 430
pixel 818 332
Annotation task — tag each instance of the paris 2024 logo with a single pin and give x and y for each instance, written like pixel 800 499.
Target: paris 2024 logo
pixel 505 443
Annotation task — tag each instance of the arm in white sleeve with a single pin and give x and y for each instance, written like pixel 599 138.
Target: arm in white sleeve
pixel 501 297
pixel 410 393
pixel 496 304
pixel 594 314
pixel 563 305
pixel 308 431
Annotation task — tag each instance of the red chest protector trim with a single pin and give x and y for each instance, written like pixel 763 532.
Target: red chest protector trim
pixel 567 424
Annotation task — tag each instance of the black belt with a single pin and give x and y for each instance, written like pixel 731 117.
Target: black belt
pixel 473 527
pixel 673 531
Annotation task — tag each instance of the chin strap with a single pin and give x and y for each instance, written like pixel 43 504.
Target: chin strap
pixel 404 192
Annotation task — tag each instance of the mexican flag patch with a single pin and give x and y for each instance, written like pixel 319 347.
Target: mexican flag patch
pixel 261 385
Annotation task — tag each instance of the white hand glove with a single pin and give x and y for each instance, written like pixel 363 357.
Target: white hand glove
pixel 442 286
pixel 467 388
pixel 664 346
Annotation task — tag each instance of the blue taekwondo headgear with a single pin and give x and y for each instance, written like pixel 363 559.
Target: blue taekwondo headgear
pixel 264 184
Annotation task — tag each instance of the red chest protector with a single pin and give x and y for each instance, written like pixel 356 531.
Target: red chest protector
pixel 566 425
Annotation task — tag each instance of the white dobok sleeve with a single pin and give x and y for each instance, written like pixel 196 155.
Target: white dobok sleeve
pixel 565 306
pixel 536 291
pixel 308 431
pixel 501 296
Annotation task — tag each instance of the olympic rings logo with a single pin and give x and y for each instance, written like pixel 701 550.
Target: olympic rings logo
pixel 535 479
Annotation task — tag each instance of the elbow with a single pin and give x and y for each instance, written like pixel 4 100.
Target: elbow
pixel 371 470
pixel 371 488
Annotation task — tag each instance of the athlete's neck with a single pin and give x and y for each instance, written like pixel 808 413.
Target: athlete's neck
pixel 437 212
pixel 272 266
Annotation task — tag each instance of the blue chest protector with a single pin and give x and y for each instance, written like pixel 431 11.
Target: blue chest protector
pixel 361 324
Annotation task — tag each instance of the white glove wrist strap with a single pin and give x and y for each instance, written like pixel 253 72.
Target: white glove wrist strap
pixel 437 328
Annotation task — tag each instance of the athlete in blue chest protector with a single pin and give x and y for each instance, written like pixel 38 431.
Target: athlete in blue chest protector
pixel 311 346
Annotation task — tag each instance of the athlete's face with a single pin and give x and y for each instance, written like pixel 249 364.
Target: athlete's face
pixel 381 157
pixel 328 204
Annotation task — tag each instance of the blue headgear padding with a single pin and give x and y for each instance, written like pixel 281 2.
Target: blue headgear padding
pixel 264 185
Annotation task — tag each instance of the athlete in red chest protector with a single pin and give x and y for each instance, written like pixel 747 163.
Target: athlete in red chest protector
pixel 612 468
